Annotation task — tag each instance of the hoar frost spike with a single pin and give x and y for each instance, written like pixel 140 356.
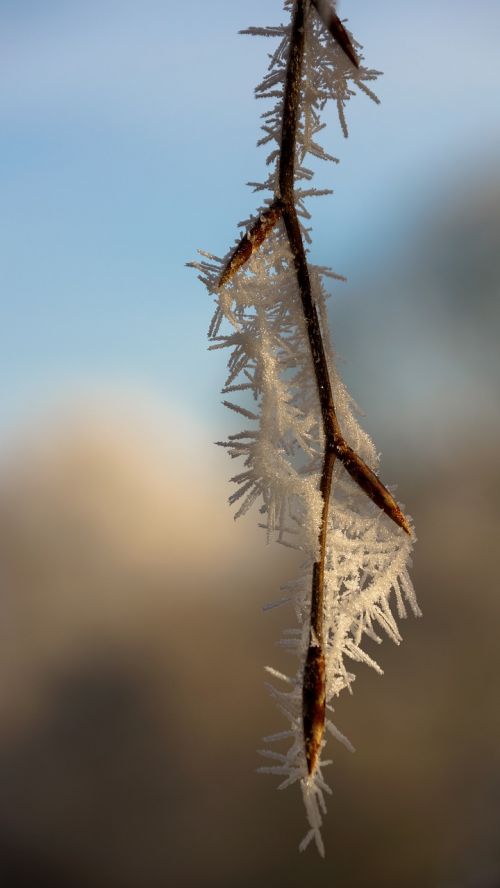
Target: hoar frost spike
pixel 305 458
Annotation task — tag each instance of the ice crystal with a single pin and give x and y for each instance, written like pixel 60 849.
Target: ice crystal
pixel 271 383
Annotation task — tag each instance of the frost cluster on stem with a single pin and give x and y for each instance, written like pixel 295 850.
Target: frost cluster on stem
pixel 280 451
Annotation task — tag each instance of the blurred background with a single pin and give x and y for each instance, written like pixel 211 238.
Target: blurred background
pixel 132 640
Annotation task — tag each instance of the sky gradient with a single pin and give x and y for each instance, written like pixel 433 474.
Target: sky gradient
pixel 128 133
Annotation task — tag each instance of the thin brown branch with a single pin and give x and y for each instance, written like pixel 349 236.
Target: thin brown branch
pixel 314 676
pixel 371 484
pixel 251 241
pixel 314 685
pixel 333 24
pixel 314 680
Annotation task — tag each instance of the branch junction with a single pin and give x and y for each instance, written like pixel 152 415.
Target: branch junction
pixel 283 207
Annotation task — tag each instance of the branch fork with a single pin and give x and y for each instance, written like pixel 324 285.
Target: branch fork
pixel 335 447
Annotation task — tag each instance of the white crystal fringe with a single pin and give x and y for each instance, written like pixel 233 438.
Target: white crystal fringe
pixel 280 450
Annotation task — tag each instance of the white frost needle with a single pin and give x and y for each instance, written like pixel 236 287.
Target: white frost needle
pixel 304 456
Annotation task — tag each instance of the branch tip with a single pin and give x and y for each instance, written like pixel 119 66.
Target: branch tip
pixel 371 484
pixel 251 241
pixel 333 24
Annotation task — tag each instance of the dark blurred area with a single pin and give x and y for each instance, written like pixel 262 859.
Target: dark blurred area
pixel 133 643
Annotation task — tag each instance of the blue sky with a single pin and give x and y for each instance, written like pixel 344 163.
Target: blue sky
pixel 127 135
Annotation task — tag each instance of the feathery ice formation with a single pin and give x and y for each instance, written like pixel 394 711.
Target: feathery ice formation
pixel 316 485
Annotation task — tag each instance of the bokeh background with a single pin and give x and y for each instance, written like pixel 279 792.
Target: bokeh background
pixel 132 640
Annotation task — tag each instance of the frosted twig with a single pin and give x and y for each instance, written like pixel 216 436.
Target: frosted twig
pixel 333 24
pixel 309 461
